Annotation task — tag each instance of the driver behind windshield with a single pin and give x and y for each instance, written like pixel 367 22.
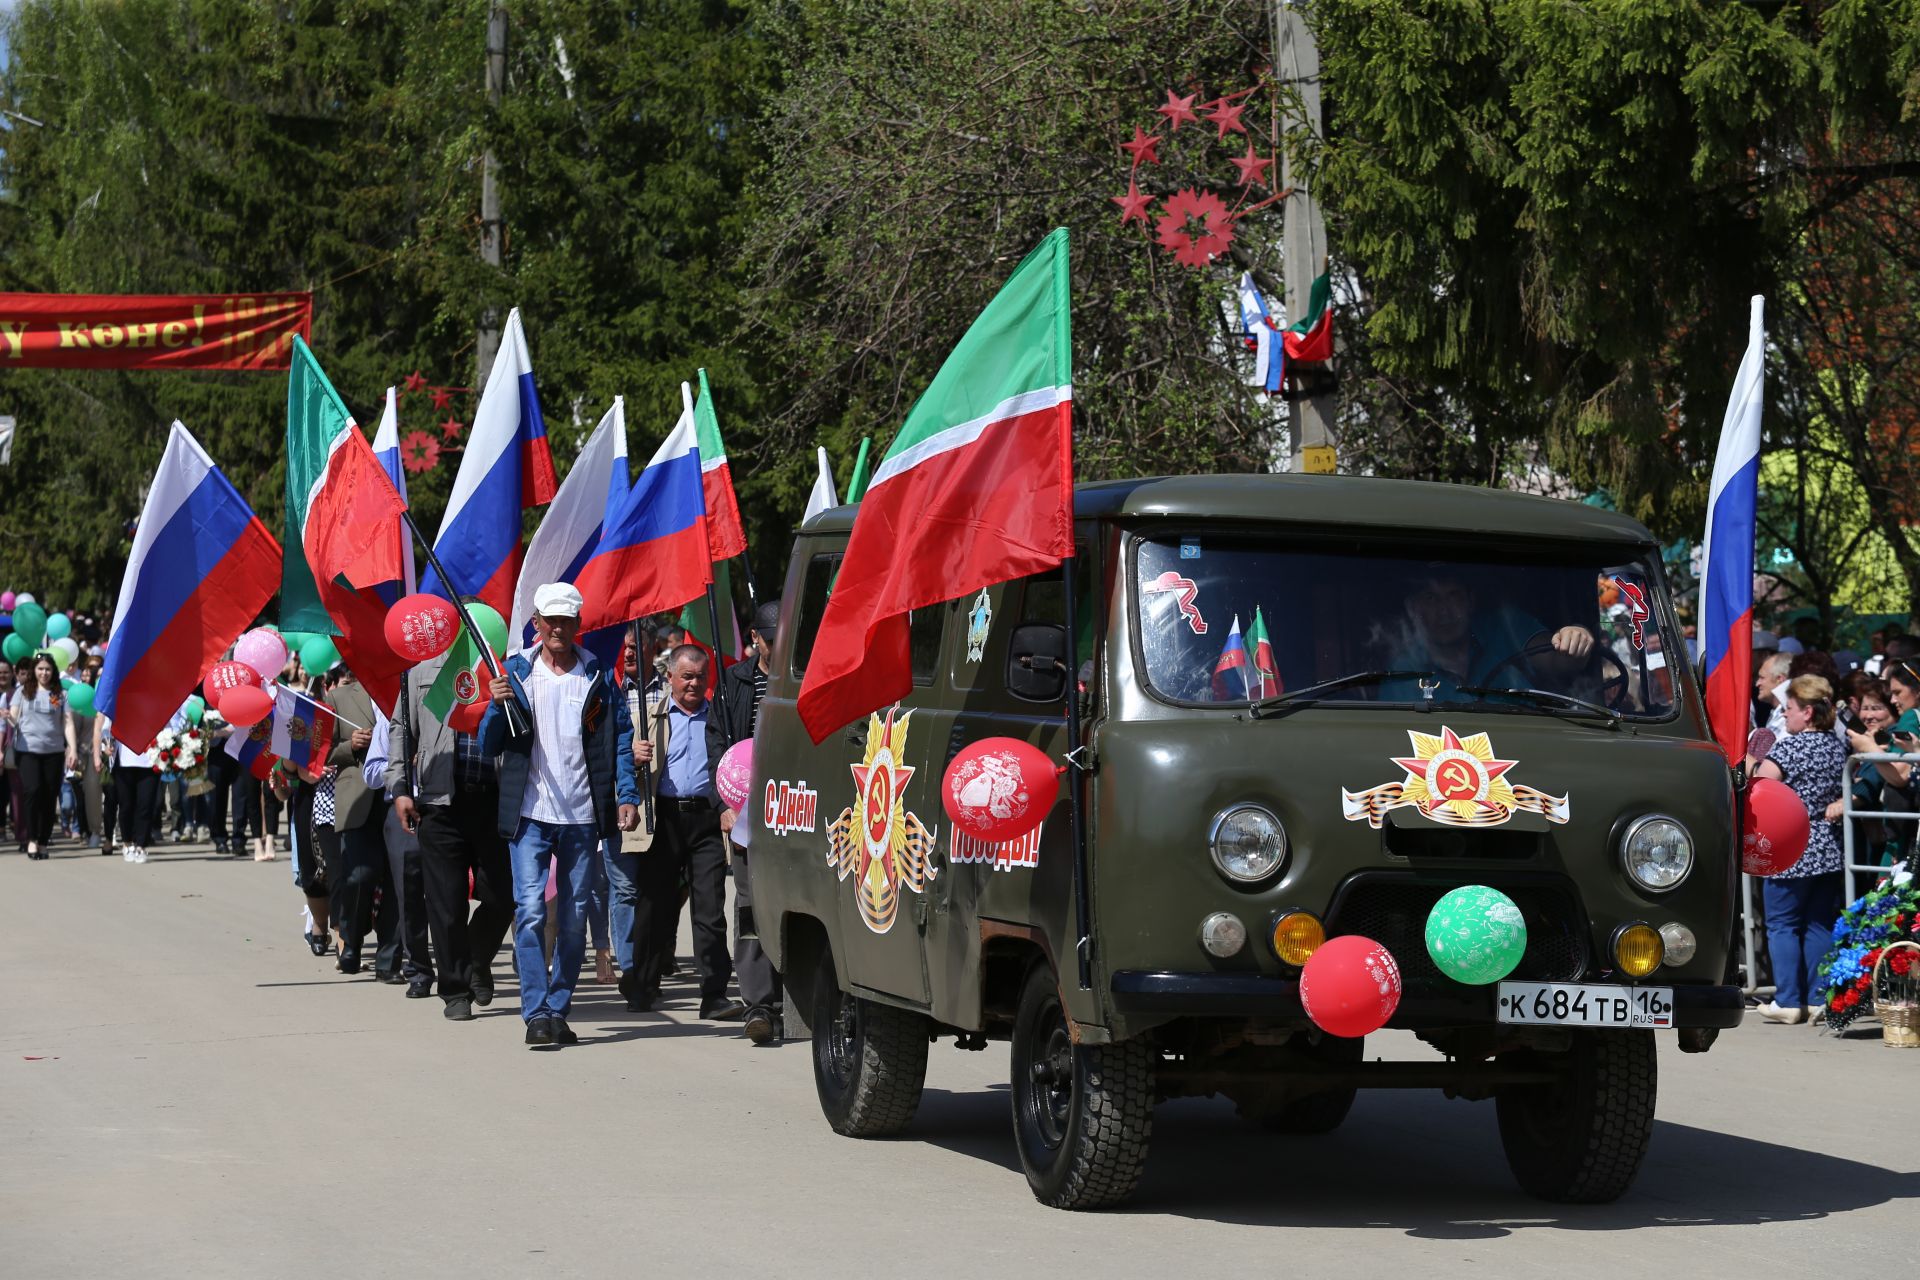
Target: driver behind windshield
pixel 1468 642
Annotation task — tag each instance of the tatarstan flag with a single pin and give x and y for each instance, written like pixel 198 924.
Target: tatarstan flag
pixel 461 693
pixel 1264 666
pixel 976 488
pixel 1310 339
pixel 726 536
pixel 344 513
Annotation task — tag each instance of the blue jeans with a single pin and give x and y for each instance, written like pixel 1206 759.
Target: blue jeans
pixel 622 894
pixel 548 993
pixel 1800 916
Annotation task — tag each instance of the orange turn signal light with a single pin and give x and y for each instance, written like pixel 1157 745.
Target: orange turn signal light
pixel 1296 936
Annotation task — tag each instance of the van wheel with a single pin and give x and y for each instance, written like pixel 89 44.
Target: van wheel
pixel 1322 1112
pixel 1580 1139
pixel 869 1060
pixel 1082 1114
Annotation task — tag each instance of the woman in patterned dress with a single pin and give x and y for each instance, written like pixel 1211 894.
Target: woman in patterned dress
pixel 1804 900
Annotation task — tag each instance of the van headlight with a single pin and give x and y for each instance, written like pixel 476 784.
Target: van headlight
pixel 1248 843
pixel 1657 853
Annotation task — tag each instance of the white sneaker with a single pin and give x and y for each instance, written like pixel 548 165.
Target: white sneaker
pixel 1774 1013
pixel 139 853
pixel 126 853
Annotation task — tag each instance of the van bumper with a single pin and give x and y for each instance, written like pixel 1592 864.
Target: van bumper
pixel 1253 995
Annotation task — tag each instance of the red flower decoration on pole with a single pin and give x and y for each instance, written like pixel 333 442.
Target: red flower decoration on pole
pixel 419 452
pixel 1216 233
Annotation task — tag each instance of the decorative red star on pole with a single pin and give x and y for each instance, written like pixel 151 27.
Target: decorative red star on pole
pixel 1142 148
pixel 415 381
pixel 1133 204
pixel 443 396
pixel 1252 168
pixel 451 428
pixel 1178 111
pixel 1226 114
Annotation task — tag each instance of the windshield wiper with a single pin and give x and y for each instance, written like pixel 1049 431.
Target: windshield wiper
pixel 1548 695
pixel 1279 701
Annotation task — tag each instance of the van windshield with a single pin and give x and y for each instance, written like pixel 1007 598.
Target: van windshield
pixel 1234 619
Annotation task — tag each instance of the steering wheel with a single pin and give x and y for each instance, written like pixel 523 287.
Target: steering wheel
pixel 1613 688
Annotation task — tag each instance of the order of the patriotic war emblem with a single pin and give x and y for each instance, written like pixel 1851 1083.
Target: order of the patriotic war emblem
pixel 1454 781
pixel 875 840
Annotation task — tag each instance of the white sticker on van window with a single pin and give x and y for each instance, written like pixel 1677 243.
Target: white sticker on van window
pixel 979 621
pixel 1186 592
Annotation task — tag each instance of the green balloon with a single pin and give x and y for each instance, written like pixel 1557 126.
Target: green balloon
pixel 16 647
pixel 59 626
pixel 1476 935
pixel 196 708
pixel 80 698
pixel 30 623
pixel 493 627
pixel 318 655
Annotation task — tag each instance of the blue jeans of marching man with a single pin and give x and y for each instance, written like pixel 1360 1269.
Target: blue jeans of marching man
pixel 548 992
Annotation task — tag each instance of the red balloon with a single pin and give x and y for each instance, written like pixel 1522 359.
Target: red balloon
pixel 224 677
pixel 1777 827
pixel 1350 986
pixel 246 706
pixel 420 627
pixel 999 789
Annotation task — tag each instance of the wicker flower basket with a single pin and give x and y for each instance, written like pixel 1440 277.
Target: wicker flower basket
pixel 1896 1000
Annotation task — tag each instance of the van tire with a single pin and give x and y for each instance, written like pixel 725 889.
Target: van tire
pixel 1580 1140
pixel 869 1059
pixel 1082 1127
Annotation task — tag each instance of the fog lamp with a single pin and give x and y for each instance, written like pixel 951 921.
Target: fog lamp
pixel 1679 942
pixel 1637 949
pixel 1222 934
pixel 1296 936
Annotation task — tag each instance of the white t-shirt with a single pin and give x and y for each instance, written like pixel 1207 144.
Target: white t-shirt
pixel 558 789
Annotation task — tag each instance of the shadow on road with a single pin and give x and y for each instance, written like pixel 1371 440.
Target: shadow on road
pixel 1411 1162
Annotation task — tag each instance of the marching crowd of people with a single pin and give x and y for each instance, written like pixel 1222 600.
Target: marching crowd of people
pixel 582 810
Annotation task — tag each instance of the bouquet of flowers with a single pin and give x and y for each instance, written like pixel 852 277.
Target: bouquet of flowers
pixel 183 754
pixel 1890 912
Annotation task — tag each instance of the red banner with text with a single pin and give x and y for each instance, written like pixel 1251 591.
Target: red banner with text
pixel 249 332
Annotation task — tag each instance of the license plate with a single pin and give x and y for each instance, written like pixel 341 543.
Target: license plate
pixel 1572 1004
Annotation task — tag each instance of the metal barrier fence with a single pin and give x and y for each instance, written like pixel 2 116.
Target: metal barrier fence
pixel 1751 925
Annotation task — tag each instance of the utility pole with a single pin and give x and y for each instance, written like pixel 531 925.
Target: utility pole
pixel 491 225
pixel 1303 231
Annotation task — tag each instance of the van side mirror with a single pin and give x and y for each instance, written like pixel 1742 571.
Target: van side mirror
pixel 1037 662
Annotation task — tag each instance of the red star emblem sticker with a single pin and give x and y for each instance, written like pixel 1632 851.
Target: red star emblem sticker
pixel 1252 168
pixel 1450 741
pixel 415 381
pixel 1133 204
pixel 443 396
pixel 1143 147
pixel 451 428
pixel 1177 110
pixel 1227 115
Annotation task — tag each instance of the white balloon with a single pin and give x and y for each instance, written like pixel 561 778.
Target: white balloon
pixel 23 598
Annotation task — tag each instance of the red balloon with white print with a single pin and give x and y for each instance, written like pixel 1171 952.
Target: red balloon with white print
pixel 999 789
pixel 420 627
pixel 224 677
pixel 1775 832
pixel 1350 986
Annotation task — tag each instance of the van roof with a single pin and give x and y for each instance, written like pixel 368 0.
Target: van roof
pixel 1337 500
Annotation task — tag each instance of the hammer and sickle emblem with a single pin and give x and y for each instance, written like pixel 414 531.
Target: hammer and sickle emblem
pixel 1455 779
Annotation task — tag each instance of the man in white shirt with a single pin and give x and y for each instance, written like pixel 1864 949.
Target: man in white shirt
pixel 565 785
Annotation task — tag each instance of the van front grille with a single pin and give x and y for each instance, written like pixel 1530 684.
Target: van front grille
pixel 1393 909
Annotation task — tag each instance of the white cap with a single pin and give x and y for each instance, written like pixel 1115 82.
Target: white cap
pixel 557 600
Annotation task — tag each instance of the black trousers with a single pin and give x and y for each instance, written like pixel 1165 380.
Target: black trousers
pixel 41 773
pixel 759 980
pixel 109 808
pixel 363 893
pixel 136 788
pixel 225 774
pixel 455 840
pixel 684 841
pixel 407 874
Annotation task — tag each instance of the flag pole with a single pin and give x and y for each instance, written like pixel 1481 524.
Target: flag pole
pixel 713 617
pixel 638 712
pixel 510 708
pixel 1082 905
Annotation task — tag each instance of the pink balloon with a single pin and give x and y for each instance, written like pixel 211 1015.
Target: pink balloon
pixel 734 778
pixel 7 600
pixel 999 789
pixel 1350 986
pixel 246 706
pixel 264 651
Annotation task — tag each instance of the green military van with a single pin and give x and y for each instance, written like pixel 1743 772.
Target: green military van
pixel 1456 687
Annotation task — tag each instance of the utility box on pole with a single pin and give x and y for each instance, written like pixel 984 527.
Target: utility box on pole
pixel 1303 232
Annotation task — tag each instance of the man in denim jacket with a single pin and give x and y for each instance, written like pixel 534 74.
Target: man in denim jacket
pixel 565 784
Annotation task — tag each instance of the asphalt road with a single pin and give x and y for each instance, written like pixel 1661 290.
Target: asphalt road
pixel 185 1090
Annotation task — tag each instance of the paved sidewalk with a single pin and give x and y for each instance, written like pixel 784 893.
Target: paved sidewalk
pixel 185 1090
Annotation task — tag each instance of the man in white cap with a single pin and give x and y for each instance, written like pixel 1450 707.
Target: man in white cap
pixel 565 784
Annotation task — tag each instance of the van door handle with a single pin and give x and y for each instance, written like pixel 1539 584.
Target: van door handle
pixel 858 736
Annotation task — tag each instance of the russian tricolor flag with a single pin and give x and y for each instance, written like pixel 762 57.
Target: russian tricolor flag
pixel 386 448
pixel 653 552
pixel 302 730
pixel 1726 579
pixel 506 469
pixel 1270 354
pixel 1233 673
pixel 569 533
pixel 251 749
pixel 203 567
